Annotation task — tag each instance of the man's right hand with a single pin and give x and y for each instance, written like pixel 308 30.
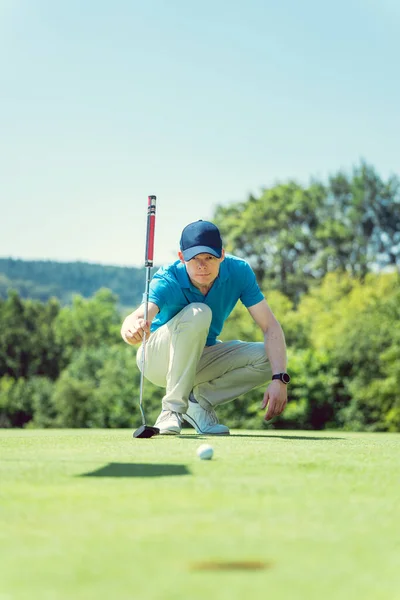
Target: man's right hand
pixel 133 330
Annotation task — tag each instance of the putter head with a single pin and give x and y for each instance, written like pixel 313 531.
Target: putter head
pixel 145 431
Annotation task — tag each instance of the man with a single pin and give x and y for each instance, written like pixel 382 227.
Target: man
pixel 188 303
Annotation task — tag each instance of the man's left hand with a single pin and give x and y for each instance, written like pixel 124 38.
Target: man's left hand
pixel 276 398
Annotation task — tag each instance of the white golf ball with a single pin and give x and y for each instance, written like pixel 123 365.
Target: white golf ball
pixel 205 452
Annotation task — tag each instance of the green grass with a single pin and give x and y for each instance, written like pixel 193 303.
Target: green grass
pixel 97 514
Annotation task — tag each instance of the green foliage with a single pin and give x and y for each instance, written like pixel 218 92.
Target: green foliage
pixel 240 326
pixel 43 408
pixel 74 394
pixel 343 355
pixel 21 398
pixel 27 343
pixel 74 403
pixel 118 390
pixel 88 322
pixel 295 329
pixel 360 222
pixel 373 344
pixel 99 388
pixel 244 412
pixel 41 280
pixel 327 257
pixel 355 323
pixel 275 234
pixel 313 396
pixel 294 235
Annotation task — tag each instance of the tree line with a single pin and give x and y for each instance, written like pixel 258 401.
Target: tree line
pixel 44 279
pixel 327 259
pixel 294 235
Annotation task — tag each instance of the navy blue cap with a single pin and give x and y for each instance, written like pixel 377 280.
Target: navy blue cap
pixel 199 237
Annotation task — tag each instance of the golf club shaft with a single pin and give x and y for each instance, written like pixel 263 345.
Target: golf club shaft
pixel 151 221
pixel 143 357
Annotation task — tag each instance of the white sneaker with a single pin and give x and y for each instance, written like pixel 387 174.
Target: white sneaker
pixel 169 422
pixel 204 421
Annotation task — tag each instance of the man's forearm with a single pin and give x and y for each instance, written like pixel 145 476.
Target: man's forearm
pixel 275 348
pixel 139 314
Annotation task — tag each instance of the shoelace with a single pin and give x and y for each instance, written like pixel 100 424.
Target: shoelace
pixel 212 417
pixel 166 414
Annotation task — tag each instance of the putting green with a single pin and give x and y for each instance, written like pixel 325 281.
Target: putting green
pixel 283 515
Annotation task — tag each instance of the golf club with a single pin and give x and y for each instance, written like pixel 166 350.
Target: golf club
pixel 146 431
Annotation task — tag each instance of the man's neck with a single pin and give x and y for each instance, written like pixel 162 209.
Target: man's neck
pixel 204 289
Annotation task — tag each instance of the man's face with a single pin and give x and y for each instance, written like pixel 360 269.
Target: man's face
pixel 203 268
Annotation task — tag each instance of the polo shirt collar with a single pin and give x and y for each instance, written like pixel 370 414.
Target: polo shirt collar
pixel 182 275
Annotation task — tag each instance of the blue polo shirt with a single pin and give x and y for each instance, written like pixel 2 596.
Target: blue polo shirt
pixel 171 290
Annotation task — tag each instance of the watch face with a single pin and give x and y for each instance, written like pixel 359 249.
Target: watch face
pixel 282 376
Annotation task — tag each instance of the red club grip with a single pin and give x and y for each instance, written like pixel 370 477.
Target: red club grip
pixel 151 224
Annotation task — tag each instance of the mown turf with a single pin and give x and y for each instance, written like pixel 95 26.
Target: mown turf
pixel 281 515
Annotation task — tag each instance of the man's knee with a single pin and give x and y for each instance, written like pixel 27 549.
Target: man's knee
pixel 198 314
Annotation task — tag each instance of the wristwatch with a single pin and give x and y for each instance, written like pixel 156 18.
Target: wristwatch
pixel 284 377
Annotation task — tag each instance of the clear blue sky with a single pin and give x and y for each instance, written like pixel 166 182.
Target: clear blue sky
pixel 105 102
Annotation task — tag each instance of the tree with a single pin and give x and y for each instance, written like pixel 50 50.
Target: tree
pixel 27 343
pixel 19 398
pixel 100 388
pixel 42 279
pixel 293 236
pixel 275 233
pixel 354 323
pixel 359 224
pixel 89 322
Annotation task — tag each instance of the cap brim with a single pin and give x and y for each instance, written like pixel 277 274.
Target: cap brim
pixel 192 252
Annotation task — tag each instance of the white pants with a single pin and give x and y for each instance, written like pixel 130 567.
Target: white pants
pixel 177 359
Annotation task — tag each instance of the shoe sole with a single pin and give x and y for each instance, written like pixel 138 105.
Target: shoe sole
pixel 169 432
pixel 198 430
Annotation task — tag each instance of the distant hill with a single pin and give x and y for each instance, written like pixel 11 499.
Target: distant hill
pixel 43 279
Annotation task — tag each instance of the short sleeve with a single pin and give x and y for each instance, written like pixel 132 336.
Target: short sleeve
pixel 251 293
pixel 158 289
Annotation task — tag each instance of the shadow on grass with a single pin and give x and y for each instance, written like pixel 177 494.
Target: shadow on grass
pixel 293 437
pixel 137 470
pixel 265 435
pixel 239 565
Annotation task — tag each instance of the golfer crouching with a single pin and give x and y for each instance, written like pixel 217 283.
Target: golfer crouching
pixel 189 301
